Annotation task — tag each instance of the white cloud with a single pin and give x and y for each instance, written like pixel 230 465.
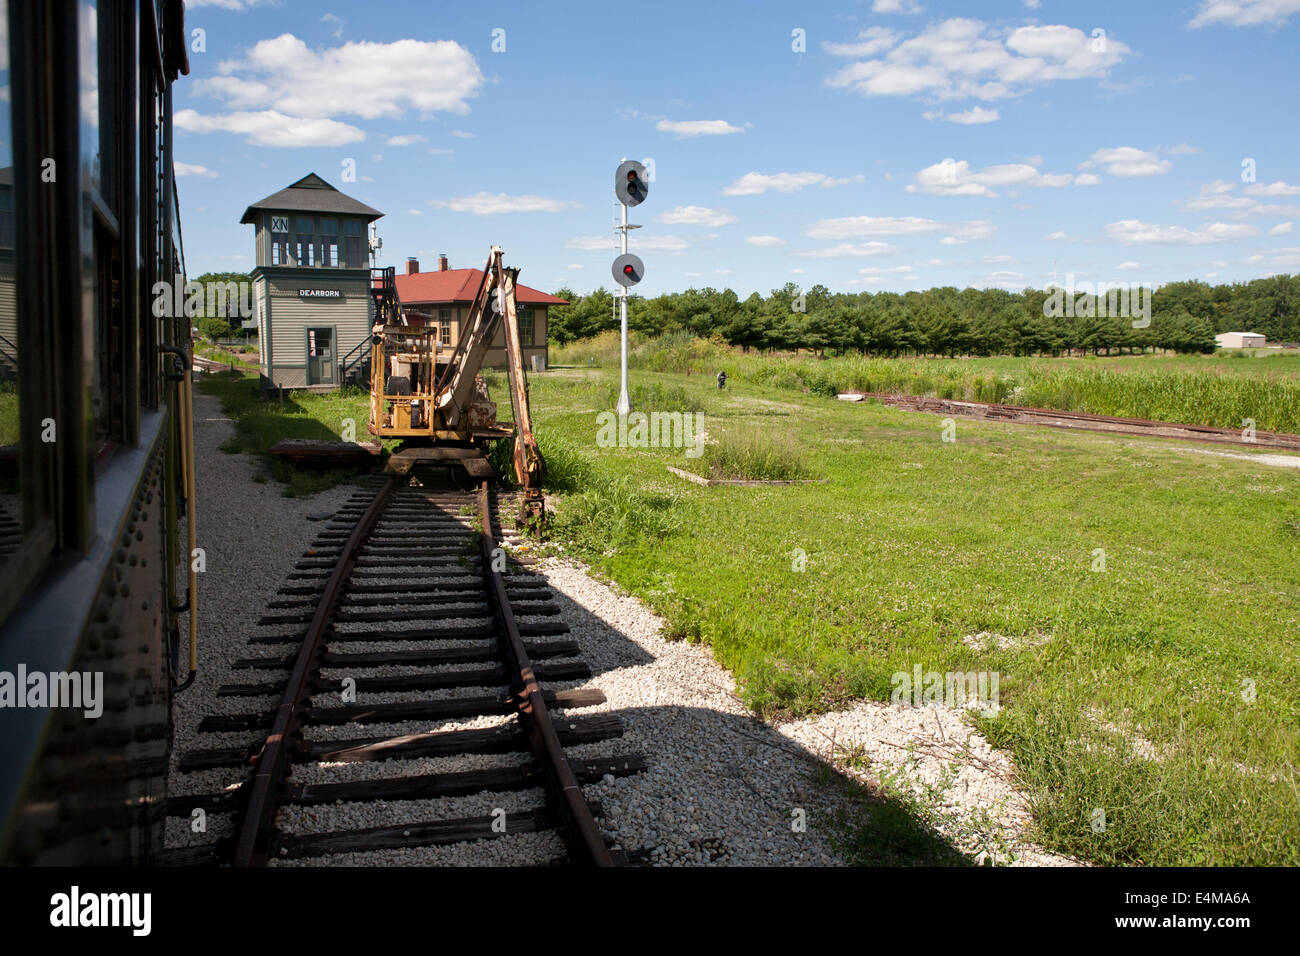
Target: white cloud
pixel 853 227
pixel 359 78
pixel 953 178
pixel 1182 149
pixel 846 249
pixel 1278 188
pixel 869 43
pixel 1218 195
pixel 753 184
pixel 964 232
pixel 908 7
pixel 971 117
pixel 193 169
pixel 229 4
pixel 687 128
pixel 574 266
pixel 1135 232
pixel 996 260
pixel 272 128
pixel 406 139
pixel 961 58
pixel 461 134
pixel 1054 236
pixel 1282 229
pixel 695 216
pixel 1128 161
pixel 1288 258
pixel 414 212
pixel 1033 4
pixel 666 243
pixel 765 241
pixel 1129 266
pixel 1245 13
pixel 492 204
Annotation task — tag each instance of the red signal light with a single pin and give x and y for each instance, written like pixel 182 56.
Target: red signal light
pixel 627 270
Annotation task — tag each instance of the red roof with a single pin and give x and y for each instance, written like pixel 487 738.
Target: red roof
pixel 458 285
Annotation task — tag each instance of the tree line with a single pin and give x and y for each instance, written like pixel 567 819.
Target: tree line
pixel 1184 317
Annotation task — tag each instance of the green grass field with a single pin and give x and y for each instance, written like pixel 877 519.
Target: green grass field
pixel 1163 690
pixel 1147 596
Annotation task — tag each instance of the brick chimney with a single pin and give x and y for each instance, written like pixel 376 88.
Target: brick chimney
pixel 412 265
pixel 442 262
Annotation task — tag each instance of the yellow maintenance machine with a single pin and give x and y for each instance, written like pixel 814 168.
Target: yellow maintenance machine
pixel 435 397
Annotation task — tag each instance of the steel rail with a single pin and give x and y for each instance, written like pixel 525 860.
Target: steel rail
pixel 586 844
pixel 1214 435
pixel 258 819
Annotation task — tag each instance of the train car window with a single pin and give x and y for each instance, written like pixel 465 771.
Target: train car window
pixel 11 506
pixel 101 102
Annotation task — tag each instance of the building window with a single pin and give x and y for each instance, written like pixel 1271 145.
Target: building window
pixel 525 314
pixel 352 244
pixel 329 242
pixel 305 251
pixel 444 326
pixel 279 240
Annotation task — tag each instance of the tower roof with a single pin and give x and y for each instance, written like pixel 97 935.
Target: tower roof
pixel 311 194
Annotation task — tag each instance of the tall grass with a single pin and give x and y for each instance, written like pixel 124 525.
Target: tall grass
pixel 1196 392
pixel 754 454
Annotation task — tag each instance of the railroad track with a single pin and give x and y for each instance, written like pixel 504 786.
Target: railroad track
pixel 402 626
pixel 1083 421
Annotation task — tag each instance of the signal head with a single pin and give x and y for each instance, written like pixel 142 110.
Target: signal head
pixel 628 270
pixel 631 184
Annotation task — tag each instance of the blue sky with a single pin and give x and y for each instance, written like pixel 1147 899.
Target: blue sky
pixel 879 144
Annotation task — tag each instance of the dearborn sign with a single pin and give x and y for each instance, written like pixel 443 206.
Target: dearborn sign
pixel 320 294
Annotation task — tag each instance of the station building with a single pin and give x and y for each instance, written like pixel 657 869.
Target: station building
pixel 444 297
pixel 311 283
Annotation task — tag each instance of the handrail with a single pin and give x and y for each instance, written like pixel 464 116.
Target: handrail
pixel 185 411
pixel 361 348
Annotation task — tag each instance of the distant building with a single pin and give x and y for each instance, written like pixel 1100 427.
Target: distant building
pixel 443 298
pixel 1239 340
pixel 311 282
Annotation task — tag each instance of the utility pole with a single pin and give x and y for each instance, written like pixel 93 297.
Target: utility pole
pixel 631 188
